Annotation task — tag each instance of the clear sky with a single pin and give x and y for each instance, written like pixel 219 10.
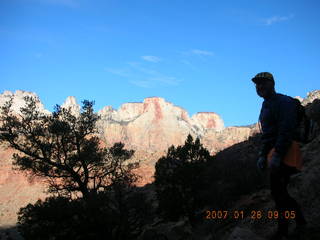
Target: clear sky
pixel 197 54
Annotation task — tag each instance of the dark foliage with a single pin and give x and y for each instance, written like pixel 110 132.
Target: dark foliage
pixel 188 178
pixel 96 218
pixel 178 179
pixel 61 218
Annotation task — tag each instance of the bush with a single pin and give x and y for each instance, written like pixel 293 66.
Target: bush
pixel 178 179
pixel 188 178
pixel 61 218
pixel 99 217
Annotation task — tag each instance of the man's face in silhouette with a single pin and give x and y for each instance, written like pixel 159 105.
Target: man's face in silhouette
pixel 264 88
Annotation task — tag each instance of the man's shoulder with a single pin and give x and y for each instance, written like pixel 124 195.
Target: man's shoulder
pixel 284 98
pixel 284 102
pixel 279 100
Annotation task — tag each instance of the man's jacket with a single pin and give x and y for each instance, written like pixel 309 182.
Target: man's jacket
pixel 278 118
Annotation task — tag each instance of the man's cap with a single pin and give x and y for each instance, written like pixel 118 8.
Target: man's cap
pixel 263 76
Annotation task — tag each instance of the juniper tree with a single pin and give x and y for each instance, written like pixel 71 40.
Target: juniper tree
pixel 178 179
pixel 64 149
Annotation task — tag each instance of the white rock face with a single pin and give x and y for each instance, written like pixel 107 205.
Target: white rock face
pixel 208 120
pixel 71 103
pixel 153 124
pixel 18 100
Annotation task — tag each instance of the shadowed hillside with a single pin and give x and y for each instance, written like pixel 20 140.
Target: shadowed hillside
pixel 234 184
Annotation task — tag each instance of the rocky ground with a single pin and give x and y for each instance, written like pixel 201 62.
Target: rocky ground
pixel 304 187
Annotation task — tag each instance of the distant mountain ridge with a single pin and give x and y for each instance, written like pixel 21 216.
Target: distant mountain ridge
pixel 152 125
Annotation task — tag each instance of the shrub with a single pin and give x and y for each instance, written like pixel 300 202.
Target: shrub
pixel 178 179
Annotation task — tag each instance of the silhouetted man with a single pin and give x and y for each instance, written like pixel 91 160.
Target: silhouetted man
pixel 279 151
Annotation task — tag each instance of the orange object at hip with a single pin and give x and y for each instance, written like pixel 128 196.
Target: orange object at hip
pixel 293 158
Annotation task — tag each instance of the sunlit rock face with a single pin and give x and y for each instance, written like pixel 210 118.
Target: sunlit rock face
pixel 71 104
pixel 216 141
pixel 154 124
pixel 16 189
pixel 208 120
pixel 18 100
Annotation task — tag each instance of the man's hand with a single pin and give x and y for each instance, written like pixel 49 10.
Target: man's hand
pixel 262 162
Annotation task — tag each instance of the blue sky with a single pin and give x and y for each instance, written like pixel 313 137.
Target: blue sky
pixel 199 55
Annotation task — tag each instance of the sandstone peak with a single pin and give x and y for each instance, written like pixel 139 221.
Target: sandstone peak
pixel 153 99
pixel 71 103
pixel 71 100
pixel 106 109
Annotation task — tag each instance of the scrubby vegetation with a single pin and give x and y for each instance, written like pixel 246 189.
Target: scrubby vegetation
pixel 189 179
pixel 179 179
pixel 103 216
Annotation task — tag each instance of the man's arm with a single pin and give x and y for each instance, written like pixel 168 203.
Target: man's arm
pixel 268 130
pixel 266 145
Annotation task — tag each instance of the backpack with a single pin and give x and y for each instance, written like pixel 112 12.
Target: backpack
pixel 304 124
